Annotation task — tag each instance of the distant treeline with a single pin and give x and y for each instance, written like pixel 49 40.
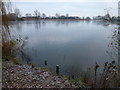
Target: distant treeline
pixel 13 17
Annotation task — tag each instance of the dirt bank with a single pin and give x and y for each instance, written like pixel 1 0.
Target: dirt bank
pixel 26 76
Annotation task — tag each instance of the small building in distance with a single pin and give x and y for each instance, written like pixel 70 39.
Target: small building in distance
pixel 98 17
pixel 105 17
pixel 28 15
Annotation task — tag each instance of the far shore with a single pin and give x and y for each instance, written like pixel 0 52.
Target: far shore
pixel 57 19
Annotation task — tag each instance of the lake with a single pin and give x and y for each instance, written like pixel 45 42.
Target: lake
pixel 73 45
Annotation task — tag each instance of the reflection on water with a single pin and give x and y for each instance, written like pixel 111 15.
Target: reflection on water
pixel 74 45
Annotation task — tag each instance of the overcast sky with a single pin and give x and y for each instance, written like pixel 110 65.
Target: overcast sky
pixel 73 7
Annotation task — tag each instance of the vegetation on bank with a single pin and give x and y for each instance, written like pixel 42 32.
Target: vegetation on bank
pixel 107 79
pixel 9 50
pixel 10 46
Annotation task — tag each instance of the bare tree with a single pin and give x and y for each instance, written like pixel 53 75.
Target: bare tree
pixel 57 15
pixel 43 15
pixel 17 12
pixel 67 15
pixel 4 10
pixel 37 13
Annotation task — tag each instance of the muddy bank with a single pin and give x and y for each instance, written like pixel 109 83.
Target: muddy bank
pixel 26 76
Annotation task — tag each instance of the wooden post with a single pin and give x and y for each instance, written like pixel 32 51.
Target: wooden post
pixel 28 62
pixel 45 62
pixel 57 69
pixel 73 77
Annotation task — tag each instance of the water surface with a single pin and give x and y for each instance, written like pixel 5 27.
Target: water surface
pixel 73 45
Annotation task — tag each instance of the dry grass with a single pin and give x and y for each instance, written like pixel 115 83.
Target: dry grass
pixel 9 50
pixel 109 76
pixel 9 46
